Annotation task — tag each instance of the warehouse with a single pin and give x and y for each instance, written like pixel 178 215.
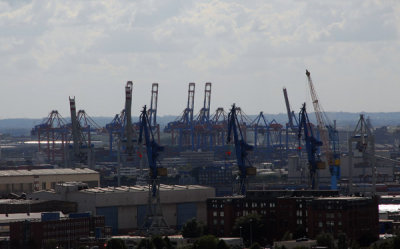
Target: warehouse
pixel 124 207
pixel 27 181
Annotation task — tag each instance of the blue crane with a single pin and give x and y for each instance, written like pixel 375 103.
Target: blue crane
pixel 241 149
pixel 312 145
pixel 152 149
pixel 154 222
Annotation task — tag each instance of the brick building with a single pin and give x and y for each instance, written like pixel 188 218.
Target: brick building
pixel 312 211
pixel 67 232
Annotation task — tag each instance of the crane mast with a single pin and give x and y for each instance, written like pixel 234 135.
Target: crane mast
pixel 329 137
pixel 154 222
pixel 241 150
pixel 312 145
pixel 128 119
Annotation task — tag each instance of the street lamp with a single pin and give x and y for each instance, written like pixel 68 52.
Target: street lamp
pixel 241 239
pixel 251 232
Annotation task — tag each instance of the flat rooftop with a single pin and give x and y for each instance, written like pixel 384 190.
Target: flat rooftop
pixel 139 188
pixel 33 172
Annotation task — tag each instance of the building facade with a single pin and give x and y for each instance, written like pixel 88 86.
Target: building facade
pixel 311 212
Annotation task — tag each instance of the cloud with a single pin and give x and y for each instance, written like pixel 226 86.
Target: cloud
pixel 252 48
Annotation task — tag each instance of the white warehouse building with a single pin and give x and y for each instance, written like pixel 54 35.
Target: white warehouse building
pixel 125 207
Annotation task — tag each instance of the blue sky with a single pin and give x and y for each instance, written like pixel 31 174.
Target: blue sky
pixel 249 50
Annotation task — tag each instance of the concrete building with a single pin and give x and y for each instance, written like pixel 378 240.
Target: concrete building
pixel 27 181
pixel 124 207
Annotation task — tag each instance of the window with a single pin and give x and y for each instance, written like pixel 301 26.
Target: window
pixel 221 213
pixel 43 185
pixel 215 213
pixel 320 224
pixel 215 222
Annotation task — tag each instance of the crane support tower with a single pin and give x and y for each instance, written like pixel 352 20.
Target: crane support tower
pixel 363 141
pixel 128 121
pixel 312 145
pixel 241 150
pixel 329 136
pixel 154 222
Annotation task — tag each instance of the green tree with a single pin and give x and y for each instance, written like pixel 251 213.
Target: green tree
pixel 255 246
pixel 168 244
pixel 158 242
pixel 222 245
pixel 50 244
pixel 252 227
pixel 342 241
pixel 326 239
pixel 145 244
pixel 206 242
pixel 192 229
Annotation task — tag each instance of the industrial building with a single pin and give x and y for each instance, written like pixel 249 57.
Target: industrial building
pixel 27 181
pixel 125 207
pixel 289 211
pixel 66 231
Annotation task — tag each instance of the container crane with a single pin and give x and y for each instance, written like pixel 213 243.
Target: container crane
pixel 241 149
pixel 290 113
pixel 154 222
pixel 79 145
pixel 202 123
pixel 312 145
pixel 329 136
pixel 184 124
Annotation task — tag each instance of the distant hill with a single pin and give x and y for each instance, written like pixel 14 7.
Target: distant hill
pixel 344 120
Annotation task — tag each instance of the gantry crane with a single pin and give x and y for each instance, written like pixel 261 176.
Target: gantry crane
pixel 241 150
pixel 329 136
pixel 154 222
pixel 312 145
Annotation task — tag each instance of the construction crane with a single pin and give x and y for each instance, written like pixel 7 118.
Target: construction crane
pixel 312 145
pixel 154 222
pixel 241 150
pixel 329 136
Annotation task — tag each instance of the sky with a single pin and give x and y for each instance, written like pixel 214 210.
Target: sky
pixel 249 50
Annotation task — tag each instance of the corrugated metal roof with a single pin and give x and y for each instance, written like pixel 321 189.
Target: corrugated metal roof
pixel 24 172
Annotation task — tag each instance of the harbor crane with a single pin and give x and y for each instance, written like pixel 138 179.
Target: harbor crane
pixel 154 222
pixel 241 150
pixel 81 150
pixel 290 113
pixel 329 136
pixel 312 145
